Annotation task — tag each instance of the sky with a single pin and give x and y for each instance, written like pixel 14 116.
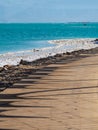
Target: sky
pixel 32 11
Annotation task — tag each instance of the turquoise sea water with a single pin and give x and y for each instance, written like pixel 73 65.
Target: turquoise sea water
pixel 17 37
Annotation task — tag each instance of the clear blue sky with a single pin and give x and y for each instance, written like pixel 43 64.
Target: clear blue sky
pixel 48 10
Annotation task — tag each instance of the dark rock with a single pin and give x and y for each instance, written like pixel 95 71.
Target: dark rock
pixel 59 55
pixel 6 67
pixel 68 53
pixel 4 85
pixel 23 62
pixel 96 40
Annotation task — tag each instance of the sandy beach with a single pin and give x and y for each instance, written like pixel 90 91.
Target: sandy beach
pixel 48 65
pixel 56 93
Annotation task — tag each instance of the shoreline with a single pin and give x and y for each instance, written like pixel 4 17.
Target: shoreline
pixel 62 46
pixel 10 74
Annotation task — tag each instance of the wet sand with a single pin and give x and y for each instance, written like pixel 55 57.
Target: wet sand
pixel 58 96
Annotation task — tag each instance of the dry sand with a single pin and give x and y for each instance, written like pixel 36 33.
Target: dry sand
pixel 58 97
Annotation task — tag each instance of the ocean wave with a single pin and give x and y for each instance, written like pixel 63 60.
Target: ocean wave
pixel 63 46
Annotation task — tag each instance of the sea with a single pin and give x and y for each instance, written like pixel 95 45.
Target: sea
pixel 22 36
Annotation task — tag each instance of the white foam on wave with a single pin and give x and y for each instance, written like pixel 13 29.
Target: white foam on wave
pixel 62 46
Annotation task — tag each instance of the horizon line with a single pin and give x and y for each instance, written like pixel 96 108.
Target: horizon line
pixel 47 22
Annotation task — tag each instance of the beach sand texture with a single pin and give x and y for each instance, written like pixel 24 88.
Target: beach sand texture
pixel 58 97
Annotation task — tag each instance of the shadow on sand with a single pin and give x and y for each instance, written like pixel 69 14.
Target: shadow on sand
pixel 8 101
